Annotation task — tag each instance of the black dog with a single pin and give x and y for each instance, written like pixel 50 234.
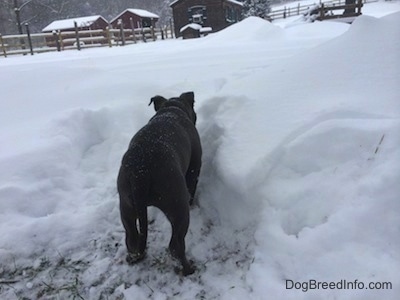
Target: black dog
pixel 161 168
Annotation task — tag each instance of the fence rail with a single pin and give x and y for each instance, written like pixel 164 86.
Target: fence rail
pixel 302 9
pixel 32 43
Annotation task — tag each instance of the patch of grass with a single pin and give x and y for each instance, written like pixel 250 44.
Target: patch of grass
pixel 44 278
pixel 71 288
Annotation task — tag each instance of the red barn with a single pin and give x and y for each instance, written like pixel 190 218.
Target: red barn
pixel 216 14
pixel 140 19
pixel 83 23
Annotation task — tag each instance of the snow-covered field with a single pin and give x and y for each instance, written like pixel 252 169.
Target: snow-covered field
pixel 300 180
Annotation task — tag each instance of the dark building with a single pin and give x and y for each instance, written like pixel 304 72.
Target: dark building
pixel 216 14
pixel 140 19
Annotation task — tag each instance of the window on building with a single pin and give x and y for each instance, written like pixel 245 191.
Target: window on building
pixel 229 14
pixel 197 14
pixel 146 22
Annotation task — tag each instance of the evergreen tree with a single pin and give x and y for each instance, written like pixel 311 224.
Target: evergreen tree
pixel 258 8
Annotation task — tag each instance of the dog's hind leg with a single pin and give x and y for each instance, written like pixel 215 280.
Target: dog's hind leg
pixel 135 239
pixel 179 219
pixel 192 174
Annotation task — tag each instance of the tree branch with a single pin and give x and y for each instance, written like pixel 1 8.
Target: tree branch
pixel 24 4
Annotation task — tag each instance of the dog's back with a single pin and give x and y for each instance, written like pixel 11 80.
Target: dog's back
pixel 166 137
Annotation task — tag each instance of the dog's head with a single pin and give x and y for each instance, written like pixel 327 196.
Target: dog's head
pixel 184 102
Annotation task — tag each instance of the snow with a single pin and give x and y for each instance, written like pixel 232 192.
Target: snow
pixel 69 23
pixel 196 26
pixel 299 126
pixel 143 13
pixel 191 25
pixel 235 2
pixel 381 8
pixel 173 3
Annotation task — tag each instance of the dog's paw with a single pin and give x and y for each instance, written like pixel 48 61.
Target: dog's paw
pixel 133 258
pixel 186 270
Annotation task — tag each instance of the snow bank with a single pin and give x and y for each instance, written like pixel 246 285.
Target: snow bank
pixel 312 133
pixel 331 191
pixel 315 84
pixel 250 29
pixel 381 8
pixel 47 191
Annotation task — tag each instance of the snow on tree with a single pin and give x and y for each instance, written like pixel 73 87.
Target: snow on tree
pixel 258 8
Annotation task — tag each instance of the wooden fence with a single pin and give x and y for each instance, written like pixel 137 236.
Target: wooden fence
pixel 79 39
pixel 302 9
pixel 325 12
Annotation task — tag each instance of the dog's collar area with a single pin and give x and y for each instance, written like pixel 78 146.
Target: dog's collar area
pixel 167 107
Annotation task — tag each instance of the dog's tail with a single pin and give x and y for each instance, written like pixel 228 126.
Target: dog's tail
pixel 140 192
pixel 142 217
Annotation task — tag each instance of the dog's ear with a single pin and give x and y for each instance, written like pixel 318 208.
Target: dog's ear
pixel 188 98
pixel 158 102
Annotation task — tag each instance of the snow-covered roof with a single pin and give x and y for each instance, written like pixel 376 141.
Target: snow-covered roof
pixel 139 12
pixel 143 13
pixel 235 2
pixel 69 23
pixel 191 25
pixel 205 29
pixel 232 1
pixel 196 27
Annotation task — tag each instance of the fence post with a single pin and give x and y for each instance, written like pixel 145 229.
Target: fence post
pixel 162 33
pixel 108 34
pixel 2 46
pixel 144 35
pixel 284 12
pixel 359 5
pixel 77 36
pixel 57 41
pixel 60 39
pixel 121 31
pixel 322 12
pixel 298 8
pixel 133 30
pixel 153 33
pixel 171 27
pixel 28 33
